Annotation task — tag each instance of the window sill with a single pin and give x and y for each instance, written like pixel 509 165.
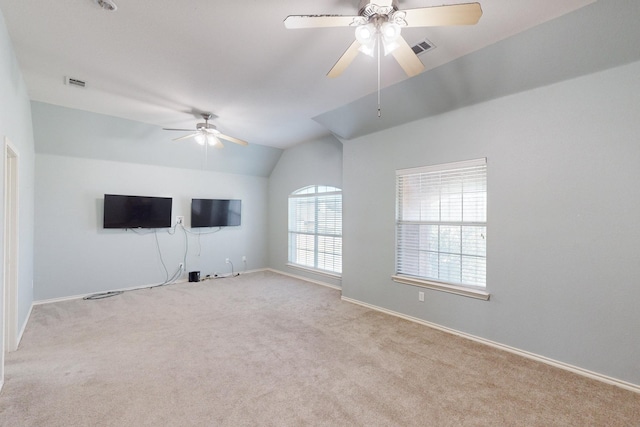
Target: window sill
pixel 453 289
pixel 315 271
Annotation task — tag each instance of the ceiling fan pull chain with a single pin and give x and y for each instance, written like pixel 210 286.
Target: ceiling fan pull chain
pixel 206 157
pixel 379 109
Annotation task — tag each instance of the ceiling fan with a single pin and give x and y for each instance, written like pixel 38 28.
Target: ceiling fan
pixel 207 133
pixel 380 21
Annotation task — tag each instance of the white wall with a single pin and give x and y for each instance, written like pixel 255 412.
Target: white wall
pixel 314 162
pixel 15 124
pixel 74 255
pixel 563 234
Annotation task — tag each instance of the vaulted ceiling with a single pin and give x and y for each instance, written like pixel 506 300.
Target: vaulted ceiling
pixel 163 62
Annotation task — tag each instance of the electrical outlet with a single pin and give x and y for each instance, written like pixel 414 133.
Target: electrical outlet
pixel 421 296
pixel 181 266
pixel 179 220
pixel 227 260
pixel 244 258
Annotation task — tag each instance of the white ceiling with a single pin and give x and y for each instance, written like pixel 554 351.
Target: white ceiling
pixel 162 62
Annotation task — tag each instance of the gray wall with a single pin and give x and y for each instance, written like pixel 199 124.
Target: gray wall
pixel 563 239
pixel 314 162
pixel 74 255
pixel 15 123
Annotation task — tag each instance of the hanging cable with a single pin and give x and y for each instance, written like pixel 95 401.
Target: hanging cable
pixel 103 295
pixel 168 280
pixel 200 233
pixel 186 247
pixel 109 294
pixel 166 272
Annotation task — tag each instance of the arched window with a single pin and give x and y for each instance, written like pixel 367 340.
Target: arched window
pixel 315 228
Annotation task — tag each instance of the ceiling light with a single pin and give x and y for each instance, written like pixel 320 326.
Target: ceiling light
pixel 200 139
pixel 390 31
pixel 368 49
pixel 390 34
pixel 365 34
pixel 214 141
pixel 107 5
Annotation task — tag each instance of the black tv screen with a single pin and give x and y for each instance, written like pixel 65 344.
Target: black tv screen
pixel 215 212
pixel 136 211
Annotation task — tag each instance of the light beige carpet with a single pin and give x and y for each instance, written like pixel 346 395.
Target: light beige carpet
pixel 266 349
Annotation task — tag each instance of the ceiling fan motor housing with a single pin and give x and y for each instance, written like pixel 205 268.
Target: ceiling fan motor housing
pixel 206 124
pixel 201 126
pixel 367 4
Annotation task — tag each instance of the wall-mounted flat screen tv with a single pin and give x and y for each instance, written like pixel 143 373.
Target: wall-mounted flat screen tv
pixel 215 212
pixel 136 211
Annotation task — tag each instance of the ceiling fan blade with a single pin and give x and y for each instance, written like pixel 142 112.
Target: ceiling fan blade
pixel 181 130
pixel 191 135
pixel 455 14
pixel 232 139
pixel 318 21
pixel 346 59
pixel 407 59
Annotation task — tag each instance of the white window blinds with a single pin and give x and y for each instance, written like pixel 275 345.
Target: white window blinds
pixel 441 223
pixel 315 228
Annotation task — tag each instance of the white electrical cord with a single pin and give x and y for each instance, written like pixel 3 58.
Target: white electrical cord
pixel 168 280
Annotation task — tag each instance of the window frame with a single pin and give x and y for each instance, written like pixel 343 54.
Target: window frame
pixel 436 283
pixel 315 194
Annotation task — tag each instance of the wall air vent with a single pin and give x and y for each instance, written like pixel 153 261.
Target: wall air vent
pixel 74 82
pixel 422 47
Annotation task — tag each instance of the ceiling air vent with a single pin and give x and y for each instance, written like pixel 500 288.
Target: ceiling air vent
pixel 423 47
pixel 74 82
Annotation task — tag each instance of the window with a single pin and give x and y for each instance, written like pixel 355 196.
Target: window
pixel 441 224
pixel 315 228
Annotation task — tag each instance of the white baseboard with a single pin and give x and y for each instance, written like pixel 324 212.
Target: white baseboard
pixel 24 326
pixel 565 366
pixel 306 279
pixel 73 297
pixel 133 288
pixel 18 340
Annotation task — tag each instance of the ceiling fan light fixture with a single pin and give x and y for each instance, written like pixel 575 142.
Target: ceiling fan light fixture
pixel 368 49
pixel 365 34
pixel 200 139
pixel 218 143
pixel 389 46
pixel 213 141
pixel 390 31
pixel 390 34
